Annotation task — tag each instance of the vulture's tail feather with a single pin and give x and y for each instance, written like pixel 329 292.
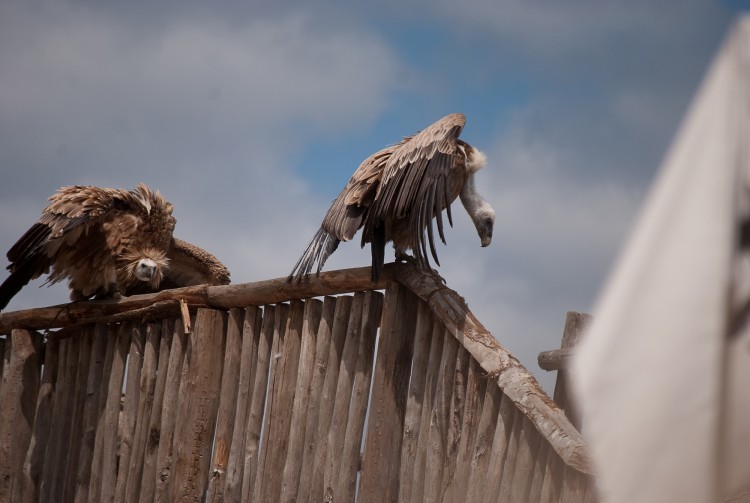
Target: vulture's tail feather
pixel 321 247
pixel 19 278
pixel 377 250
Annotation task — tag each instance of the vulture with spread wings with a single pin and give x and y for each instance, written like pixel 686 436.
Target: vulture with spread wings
pixel 395 195
pixel 108 243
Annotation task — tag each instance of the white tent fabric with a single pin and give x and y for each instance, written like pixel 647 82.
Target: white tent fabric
pixel 663 374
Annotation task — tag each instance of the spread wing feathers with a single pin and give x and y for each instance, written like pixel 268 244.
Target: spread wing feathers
pixel 411 179
pixel 191 265
pixel 346 214
pixel 59 240
pixel 416 185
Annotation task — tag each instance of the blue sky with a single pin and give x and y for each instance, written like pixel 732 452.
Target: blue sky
pixel 250 117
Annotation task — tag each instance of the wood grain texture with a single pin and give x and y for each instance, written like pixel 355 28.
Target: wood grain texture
pixel 314 407
pixel 197 406
pixel 230 376
pixel 167 302
pixel 251 329
pixel 379 476
pixel 328 398
pixel 515 381
pixel 291 472
pixel 151 450
pixel 414 402
pixel 19 391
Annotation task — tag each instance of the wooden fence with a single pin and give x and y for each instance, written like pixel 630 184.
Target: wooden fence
pixel 275 395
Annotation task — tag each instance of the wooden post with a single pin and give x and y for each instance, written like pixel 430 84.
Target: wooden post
pixel 197 407
pixel 382 458
pixel 575 325
pixel 18 396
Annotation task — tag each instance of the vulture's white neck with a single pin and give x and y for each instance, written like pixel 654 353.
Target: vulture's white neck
pixel 474 203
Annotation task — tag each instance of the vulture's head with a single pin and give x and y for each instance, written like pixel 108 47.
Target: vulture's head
pixel 484 221
pixel 145 265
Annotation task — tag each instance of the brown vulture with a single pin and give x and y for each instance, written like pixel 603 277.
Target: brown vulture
pixel 108 243
pixel 396 193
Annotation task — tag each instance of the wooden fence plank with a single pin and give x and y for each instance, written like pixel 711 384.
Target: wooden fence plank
pixel 553 480
pixel 504 449
pixel 19 391
pixel 129 412
pixel 529 440
pixel 350 458
pixel 574 486
pixel 454 426
pixel 541 465
pixel 280 404
pixel 337 431
pixel 412 419
pixel 437 450
pixel 476 385
pixel 227 406
pixel 197 406
pixel 151 450
pixel 423 441
pixel 165 452
pixel 53 480
pixel 251 328
pixel 379 476
pixel 34 462
pixel 92 389
pixel 291 470
pixel 317 380
pixel 273 316
pixel 483 447
pixel 95 478
pixel 312 478
pixel 111 418
pixel 145 405
pixel 79 398
pixel 3 340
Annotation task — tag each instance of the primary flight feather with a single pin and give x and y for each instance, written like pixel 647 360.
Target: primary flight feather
pixel 395 195
pixel 108 243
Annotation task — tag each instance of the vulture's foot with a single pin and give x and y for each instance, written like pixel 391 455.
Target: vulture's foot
pixel 402 256
pixel 438 276
pixel 77 295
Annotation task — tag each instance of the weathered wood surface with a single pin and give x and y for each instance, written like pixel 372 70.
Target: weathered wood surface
pixel 575 326
pixel 555 359
pixel 197 406
pixel 290 402
pixel 19 390
pixel 167 302
pixel 227 406
pixel 251 329
pixel 515 381
pixel 382 454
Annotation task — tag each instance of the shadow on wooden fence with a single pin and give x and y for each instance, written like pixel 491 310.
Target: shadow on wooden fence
pixel 279 396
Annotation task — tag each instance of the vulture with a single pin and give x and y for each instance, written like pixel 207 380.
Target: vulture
pixel 395 195
pixel 108 243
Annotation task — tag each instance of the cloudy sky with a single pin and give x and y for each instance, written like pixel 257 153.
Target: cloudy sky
pixel 250 119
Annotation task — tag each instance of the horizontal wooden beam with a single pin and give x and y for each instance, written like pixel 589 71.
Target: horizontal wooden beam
pixel 555 359
pixel 166 302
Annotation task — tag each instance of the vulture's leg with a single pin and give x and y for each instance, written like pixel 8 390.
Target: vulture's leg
pixel 77 295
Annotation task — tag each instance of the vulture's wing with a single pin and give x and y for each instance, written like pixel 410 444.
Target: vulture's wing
pixel 346 214
pixel 190 265
pixel 416 184
pixel 70 211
